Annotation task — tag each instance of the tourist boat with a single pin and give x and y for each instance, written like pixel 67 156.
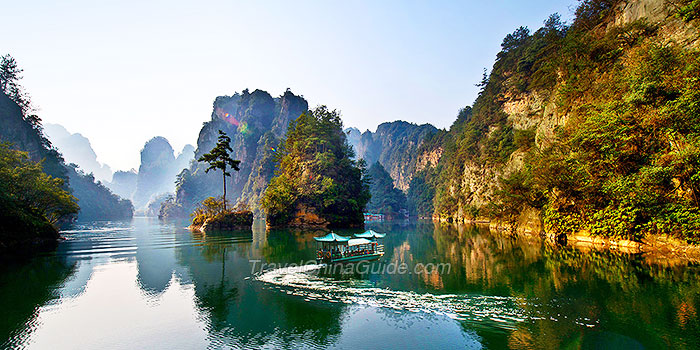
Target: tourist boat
pixel 337 249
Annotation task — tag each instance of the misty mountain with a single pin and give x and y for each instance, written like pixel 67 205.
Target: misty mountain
pixel 394 145
pixel 76 149
pixel 123 183
pixel 158 170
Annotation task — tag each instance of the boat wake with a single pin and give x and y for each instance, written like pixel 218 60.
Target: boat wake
pixel 502 311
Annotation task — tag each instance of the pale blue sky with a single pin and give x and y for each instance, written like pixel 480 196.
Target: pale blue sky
pixel 121 72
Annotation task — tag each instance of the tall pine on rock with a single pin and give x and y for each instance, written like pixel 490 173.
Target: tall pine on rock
pixel 317 182
pixel 219 158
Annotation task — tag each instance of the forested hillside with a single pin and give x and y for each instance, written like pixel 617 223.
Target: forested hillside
pixel 386 198
pixel 589 126
pixel 24 132
pixel 394 145
pixel 318 183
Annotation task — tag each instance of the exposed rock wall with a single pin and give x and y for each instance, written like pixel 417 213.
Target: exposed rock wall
pixel 255 122
pixel 395 145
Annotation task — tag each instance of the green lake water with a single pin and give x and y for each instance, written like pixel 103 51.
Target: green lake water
pixel 144 284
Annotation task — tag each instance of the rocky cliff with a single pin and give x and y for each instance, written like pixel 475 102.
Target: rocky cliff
pixel 256 122
pixel 572 122
pixel 394 145
pixel 157 171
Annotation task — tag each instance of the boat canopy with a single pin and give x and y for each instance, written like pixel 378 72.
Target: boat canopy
pixel 332 237
pixel 370 234
pixel 358 241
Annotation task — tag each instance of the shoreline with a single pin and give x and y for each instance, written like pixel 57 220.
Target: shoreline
pixel 660 249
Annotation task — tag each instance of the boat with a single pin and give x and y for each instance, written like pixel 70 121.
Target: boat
pixel 338 249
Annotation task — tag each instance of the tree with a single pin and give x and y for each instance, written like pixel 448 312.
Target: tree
pixel 317 172
pixel 386 198
pixel 219 158
pixel 26 189
pixel 10 75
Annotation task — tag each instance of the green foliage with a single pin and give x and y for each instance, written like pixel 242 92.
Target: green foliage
pixel 23 185
pixel 316 171
pixel 421 193
pixel 209 208
pixel 524 139
pixel 688 10
pixel 31 201
pixel 96 201
pixel 214 210
pixel 386 198
pixel 627 162
pixel 517 191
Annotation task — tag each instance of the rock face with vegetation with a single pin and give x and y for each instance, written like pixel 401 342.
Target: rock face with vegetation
pixel 590 127
pixel 256 122
pixel 386 198
pixel 318 183
pixel 395 145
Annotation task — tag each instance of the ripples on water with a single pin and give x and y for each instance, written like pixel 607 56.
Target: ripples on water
pixel 146 283
pixel 499 311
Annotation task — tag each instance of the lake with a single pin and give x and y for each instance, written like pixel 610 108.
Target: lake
pixel 148 284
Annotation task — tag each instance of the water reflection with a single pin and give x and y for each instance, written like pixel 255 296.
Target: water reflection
pixel 167 287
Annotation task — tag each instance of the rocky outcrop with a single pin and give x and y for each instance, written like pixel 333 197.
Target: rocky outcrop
pixel 541 110
pixel 394 145
pixel 123 183
pixel 158 170
pixel 662 15
pixel 256 122
pixel 306 216
pixel 234 221
pixel 428 158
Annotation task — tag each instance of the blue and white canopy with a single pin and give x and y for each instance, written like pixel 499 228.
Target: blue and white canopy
pixel 332 237
pixel 370 234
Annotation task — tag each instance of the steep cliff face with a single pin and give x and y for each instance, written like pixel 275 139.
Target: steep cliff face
pixel 123 183
pixel 394 145
pixel 256 122
pixel 566 131
pixel 156 173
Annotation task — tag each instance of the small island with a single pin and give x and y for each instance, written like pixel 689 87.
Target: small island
pixel 212 214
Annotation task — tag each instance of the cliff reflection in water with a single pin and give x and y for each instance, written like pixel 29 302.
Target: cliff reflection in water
pixel 166 286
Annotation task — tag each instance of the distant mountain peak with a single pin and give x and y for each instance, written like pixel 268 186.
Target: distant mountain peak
pixel 77 149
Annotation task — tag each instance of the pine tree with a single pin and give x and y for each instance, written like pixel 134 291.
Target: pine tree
pixel 219 158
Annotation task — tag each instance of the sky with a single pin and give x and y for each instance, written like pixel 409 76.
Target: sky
pixel 121 72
